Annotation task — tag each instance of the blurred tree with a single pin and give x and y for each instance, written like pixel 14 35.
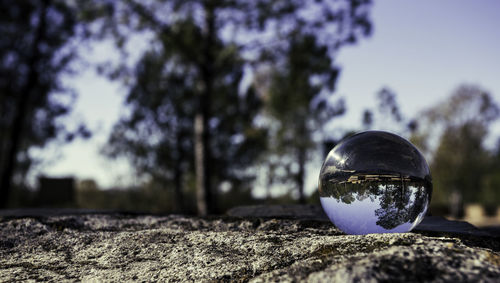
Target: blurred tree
pixel 179 85
pixel 388 116
pixel 388 104
pixel 490 183
pixel 157 135
pixel 35 50
pixel 460 160
pixel 298 106
pixel 297 88
pixel 367 119
pixel 212 42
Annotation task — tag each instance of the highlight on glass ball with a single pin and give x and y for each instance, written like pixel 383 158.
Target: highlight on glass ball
pixel 375 182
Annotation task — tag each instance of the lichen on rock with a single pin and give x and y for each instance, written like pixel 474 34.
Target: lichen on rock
pixel 117 247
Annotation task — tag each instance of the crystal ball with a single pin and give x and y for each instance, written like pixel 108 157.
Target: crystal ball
pixel 375 182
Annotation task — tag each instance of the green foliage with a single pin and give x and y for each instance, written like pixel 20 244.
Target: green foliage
pixel 489 194
pixel 148 198
pixel 155 199
pixel 194 69
pixel 388 116
pixel 451 135
pixel 460 162
pixel 297 88
pixel 36 48
pixel 296 107
pixel 164 100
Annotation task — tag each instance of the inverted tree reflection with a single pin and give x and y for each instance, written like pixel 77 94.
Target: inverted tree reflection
pixel 401 199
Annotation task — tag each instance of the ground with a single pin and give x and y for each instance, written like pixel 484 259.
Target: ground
pixel 250 244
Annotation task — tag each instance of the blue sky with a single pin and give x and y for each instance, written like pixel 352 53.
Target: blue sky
pixel 422 50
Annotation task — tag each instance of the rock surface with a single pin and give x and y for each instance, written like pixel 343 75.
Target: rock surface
pixel 74 246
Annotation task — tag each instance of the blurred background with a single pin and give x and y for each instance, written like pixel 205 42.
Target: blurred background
pixel 175 106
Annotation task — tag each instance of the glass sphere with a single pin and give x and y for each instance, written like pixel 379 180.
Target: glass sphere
pixel 375 182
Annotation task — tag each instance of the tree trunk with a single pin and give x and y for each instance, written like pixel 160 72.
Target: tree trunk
pixel 178 173
pixel 21 111
pixel 179 196
pixel 200 161
pixel 301 148
pixel 301 158
pixel 205 196
pixel 270 180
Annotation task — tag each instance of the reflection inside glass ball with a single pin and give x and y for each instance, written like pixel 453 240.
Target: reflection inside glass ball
pixel 375 182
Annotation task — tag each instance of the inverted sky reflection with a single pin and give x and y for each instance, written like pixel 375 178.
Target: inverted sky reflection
pixel 360 216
